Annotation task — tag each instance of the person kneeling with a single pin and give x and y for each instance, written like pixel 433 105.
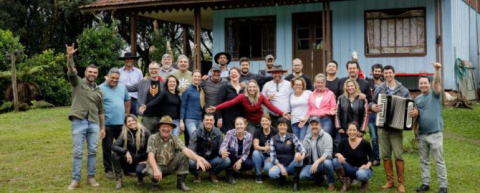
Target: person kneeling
pixel 130 150
pixel 354 156
pixel 287 154
pixel 318 146
pixel 206 142
pixel 236 147
pixel 168 155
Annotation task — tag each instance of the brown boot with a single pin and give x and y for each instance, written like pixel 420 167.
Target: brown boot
pixel 341 176
pixel 364 186
pixel 198 178
pixel 387 164
pixel 399 164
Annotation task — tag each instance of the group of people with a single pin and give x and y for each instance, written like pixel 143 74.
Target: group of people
pixel 309 130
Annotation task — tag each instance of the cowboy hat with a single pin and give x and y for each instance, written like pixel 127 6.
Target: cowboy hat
pixel 165 120
pixel 129 55
pixel 277 68
pixel 229 57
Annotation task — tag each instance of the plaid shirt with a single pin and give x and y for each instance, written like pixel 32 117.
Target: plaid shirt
pixel 298 146
pixel 231 141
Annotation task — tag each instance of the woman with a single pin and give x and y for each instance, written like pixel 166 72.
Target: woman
pixel 299 107
pixel 130 150
pixel 322 103
pixel 353 158
pixel 236 147
pixel 168 102
pixel 350 109
pixel 287 154
pixel 191 109
pixel 228 91
pixel 252 103
pixel 261 146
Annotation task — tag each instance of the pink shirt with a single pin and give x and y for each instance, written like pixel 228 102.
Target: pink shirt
pixel 328 102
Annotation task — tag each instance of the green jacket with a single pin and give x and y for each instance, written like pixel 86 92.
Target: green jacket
pixel 87 101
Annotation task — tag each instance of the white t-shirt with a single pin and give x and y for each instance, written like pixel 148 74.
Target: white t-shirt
pixel 282 93
pixel 299 106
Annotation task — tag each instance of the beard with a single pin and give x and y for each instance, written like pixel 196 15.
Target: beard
pixel 377 76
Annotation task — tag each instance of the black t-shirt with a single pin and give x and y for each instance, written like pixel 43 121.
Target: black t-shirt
pixel 362 154
pixel 350 114
pixel 262 138
pixel 308 81
pixel 333 85
pixel 240 147
pixel 153 93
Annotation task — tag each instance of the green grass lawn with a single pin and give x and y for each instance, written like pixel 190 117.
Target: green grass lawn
pixel 36 156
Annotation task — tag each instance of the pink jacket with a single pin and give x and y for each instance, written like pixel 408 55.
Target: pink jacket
pixel 328 102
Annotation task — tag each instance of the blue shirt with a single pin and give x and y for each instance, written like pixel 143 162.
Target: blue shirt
pixel 114 103
pixel 130 78
pixel 429 112
pixel 191 108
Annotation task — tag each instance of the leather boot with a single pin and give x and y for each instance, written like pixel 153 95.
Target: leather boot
pixel 387 164
pixel 341 176
pixel 119 183
pixel 139 180
pixel 283 180
pixel 181 182
pixel 399 164
pixel 296 179
pixel 364 186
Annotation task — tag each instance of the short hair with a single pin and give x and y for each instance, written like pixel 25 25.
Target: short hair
pixel 183 57
pixel 266 116
pixel 235 68
pixel 92 66
pixel 389 67
pixel 166 55
pixel 114 70
pixel 176 80
pixel 377 66
pixel 282 120
pixel 197 71
pixel 333 61
pixel 243 59
pixel 423 76
pixel 298 59
pixel 352 62
pixel 154 63
pixel 209 115
pixel 304 84
pixel 320 76
pixel 354 123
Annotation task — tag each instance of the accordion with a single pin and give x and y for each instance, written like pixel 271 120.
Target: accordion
pixel 394 112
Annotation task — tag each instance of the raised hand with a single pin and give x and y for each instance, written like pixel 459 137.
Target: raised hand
pixel 437 65
pixel 71 49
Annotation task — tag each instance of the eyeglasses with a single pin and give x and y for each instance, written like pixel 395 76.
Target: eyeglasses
pixel 153 68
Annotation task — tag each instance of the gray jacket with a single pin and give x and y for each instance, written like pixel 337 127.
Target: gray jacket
pixel 142 87
pixel 324 147
pixel 399 90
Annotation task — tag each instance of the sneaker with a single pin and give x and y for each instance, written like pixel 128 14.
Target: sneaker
pixel 376 163
pixel 73 185
pixel 93 182
pixel 442 190
pixel 423 188
pixel 259 180
pixel 109 175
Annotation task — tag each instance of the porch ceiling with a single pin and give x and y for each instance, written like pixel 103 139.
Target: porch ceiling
pixel 182 17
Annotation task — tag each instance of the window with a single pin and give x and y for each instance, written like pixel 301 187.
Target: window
pixel 395 32
pixel 250 37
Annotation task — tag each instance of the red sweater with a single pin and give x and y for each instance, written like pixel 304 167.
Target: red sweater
pixel 253 113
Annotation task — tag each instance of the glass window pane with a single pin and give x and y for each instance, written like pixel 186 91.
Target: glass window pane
pixel 303 33
pixel 303 44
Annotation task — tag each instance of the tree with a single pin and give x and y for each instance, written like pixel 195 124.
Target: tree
pixel 27 90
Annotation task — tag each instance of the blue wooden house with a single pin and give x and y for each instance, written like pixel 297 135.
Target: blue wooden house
pixel 408 34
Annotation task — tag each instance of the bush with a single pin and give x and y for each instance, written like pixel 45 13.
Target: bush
pixel 8 43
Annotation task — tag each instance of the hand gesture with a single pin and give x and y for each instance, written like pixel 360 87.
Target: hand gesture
pixel 437 65
pixel 287 115
pixel 225 153
pixel 362 96
pixel 360 134
pixel 243 85
pixel 142 108
pixel 205 163
pixel 298 157
pixel 157 175
pixel 71 49
pixel 183 89
pixel 413 112
pixel 302 123
pixel 182 126
pixel 341 130
pixel 129 158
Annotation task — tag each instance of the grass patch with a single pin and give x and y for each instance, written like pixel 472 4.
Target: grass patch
pixel 36 156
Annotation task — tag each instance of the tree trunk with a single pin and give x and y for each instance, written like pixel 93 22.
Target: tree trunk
pixel 13 57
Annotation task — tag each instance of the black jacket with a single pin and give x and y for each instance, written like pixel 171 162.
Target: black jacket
pixel 261 79
pixel 207 147
pixel 360 112
pixel 137 156
pixel 364 88
pixel 228 115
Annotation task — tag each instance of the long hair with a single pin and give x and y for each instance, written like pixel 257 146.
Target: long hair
pixel 253 98
pixel 357 88
pixel 166 84
pixel 140 135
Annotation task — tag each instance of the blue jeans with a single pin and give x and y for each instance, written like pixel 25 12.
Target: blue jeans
pixel 324 168
pixel 83 129
pixel 176 130
pixel 328 126
pixel 372 129
pixel 275 172
pixel 258 159
pixel 247 165
pixel 192 125
pixel 133 106
pixel 300 132
pixel 361 175
pixel 218 164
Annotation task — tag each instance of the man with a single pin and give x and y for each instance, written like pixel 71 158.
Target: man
pixel 87 116
pixel 212 85
pixel 167 66
pixel 297 72
pixel 183 75
pixel 116 101
pixel 318 146
pixel 278 92
pixel 206 143
pixel 332 79
pixel 246 75
pixel 269 62
pixel 168 155
pixel 149 89
pixel 430 137
pixel 375 81
pixel 353 67
pixel 391 140
pixel 130 75
pixel 222 59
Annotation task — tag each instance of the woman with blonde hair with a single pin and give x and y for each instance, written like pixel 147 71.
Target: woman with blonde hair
pixel 350 108
pixel 322 104
pixel 130 150
pixel 252 102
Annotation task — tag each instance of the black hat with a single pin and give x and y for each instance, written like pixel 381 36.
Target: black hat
pixel 229 57
pixel 129 55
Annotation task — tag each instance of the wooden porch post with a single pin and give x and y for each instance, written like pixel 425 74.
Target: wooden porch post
pixel 186 44
pixel 133 33
pixel 197 38
pixel 324 33
pixel 328 33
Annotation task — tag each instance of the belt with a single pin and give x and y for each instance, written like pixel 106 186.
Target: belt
pixel 429 133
